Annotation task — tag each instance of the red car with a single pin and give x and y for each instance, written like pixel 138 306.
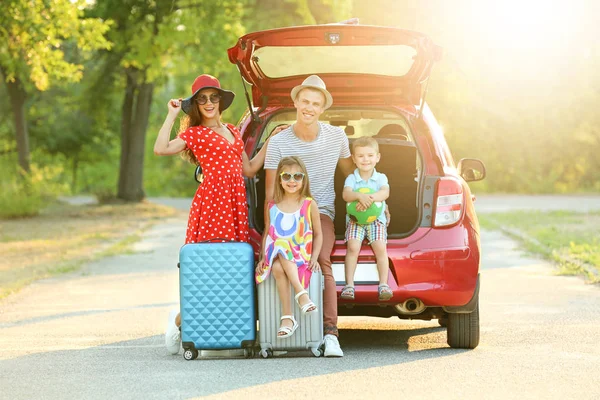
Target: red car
pixel 378 79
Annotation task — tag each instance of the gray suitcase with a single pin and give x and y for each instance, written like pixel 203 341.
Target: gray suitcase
pixel 309 334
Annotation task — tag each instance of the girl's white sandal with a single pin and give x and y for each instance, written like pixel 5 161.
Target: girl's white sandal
pixel 287 331
pixel 305 309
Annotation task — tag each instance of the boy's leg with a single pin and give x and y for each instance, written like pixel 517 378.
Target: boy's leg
pixel 355 234
pixel 377 237
pixel 383 262
pixel 283 288
pixel 329 293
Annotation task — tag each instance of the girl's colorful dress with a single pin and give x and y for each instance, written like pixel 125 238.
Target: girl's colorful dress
pixel 219 208
pixel 289 234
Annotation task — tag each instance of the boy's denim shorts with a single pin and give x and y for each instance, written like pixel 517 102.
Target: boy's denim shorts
pixel 376 230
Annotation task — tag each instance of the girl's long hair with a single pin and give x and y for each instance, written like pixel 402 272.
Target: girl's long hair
pixel 194 118
pixel 285 162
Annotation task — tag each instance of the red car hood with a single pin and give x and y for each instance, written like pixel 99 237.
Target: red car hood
pixel 366 65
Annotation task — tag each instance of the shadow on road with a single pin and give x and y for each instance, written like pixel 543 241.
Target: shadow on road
pixel 141 368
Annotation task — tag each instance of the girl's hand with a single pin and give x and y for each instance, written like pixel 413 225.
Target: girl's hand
pixel 174 106
pixel 260 267
pixel 314 266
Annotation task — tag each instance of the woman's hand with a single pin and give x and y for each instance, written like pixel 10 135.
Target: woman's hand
pixel 314 266
pixel 174 106
pixel 260 267
pixel 278 129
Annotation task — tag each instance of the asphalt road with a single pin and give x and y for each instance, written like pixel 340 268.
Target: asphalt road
pixel 98 334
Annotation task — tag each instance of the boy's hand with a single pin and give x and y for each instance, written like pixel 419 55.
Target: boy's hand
pixel 260 267
pixel 364 202
pixel 314 266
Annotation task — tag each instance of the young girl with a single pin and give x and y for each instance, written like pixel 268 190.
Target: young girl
pixel 291 241
pixel 219 209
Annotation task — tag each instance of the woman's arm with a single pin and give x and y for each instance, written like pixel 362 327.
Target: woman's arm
pixel 163 146
pixel 251 167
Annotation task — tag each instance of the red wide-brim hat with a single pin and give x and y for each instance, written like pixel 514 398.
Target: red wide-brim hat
pixel 208 82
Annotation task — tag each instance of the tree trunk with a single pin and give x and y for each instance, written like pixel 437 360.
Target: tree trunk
pixel 126 118
pixel 136 113
pixel 74 174
pixel 17 95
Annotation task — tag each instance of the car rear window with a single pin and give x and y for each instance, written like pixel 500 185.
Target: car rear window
pixel 386 60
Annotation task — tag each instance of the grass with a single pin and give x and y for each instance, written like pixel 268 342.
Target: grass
pixel 64 237
pixel 571 239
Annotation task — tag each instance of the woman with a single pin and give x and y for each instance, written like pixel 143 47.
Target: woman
pixel 219 209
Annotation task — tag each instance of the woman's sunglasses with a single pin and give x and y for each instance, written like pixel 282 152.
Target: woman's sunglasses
pixel 286 176
pixel 214 98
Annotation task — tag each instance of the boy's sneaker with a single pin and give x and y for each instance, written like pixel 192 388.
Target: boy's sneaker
pixel 173 335
pixel 332 346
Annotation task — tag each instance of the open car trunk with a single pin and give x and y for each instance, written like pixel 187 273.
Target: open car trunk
pixel 399 161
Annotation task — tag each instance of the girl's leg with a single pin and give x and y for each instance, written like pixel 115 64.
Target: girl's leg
pixel 291 271
pixel 283 288
pixel 383 263
pixel 352 250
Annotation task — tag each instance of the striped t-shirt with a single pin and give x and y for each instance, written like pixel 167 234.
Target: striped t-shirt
pixel 320 157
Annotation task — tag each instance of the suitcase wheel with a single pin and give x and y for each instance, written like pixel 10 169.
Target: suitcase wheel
pixel 190 354
pixel 266 353
pixel 317 351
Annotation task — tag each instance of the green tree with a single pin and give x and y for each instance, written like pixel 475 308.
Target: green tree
pixel 153 41
pixel 32 36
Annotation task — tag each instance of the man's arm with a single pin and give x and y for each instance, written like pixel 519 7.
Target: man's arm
pixel 347 165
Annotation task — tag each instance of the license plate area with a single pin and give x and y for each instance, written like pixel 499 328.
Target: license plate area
pixel 366 274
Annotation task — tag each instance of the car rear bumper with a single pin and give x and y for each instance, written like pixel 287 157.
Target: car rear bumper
pixel 440 269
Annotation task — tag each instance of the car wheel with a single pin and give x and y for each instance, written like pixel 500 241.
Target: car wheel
pixel 443 321
pixel 463 329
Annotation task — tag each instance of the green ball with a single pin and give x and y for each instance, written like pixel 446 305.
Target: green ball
pixel 367 216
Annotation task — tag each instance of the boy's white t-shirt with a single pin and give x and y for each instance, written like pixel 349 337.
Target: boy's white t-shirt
pixel 320 157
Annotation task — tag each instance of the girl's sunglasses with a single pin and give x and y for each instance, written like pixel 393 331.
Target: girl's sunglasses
pixel 202 99
pixel 286 176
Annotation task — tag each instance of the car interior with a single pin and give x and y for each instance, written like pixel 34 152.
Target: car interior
pixel 399 161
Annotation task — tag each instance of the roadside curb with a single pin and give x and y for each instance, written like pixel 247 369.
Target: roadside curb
pixel 587 268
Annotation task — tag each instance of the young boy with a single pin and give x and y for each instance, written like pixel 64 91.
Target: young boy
pixel 365 154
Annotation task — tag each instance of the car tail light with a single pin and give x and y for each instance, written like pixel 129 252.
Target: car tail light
pixel 449 202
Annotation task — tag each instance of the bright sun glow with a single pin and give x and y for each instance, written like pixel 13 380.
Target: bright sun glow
pixel 525 24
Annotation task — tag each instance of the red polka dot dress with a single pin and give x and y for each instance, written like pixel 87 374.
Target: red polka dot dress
pixel 219 208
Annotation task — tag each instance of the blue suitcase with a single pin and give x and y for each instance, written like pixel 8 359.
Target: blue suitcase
pixel 216 286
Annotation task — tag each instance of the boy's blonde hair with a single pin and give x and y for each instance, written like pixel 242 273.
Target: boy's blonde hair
pixel 288 162
pixel 365 141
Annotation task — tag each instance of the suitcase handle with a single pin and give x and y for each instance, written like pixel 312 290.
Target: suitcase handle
pixel 213 239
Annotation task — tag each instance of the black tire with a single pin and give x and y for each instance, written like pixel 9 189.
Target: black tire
pixel 190 354
pixel 463 330
pixel 443 321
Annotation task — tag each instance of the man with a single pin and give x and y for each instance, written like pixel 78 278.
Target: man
pixel 321 147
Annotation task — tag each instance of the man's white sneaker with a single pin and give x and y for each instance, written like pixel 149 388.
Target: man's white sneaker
pixel 332 346
pixel 173 335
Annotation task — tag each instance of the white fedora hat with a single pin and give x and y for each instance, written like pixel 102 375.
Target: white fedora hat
pixel 314 82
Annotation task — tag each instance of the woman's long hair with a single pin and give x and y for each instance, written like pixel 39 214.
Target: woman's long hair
pixel 285 162
pixel 194 118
